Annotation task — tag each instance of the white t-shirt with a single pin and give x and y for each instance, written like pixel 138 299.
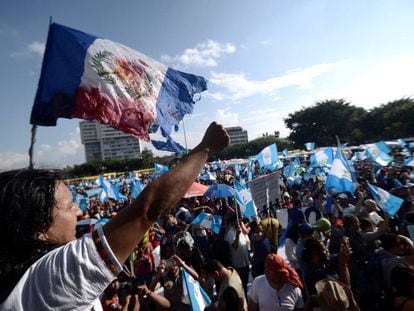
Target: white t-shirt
pixel 71 277
pixel 240 255
pixel 288 297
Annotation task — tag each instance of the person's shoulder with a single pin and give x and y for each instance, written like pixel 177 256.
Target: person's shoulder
pixel 259 280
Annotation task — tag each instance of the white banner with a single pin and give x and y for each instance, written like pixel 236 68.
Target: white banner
pixel 265 189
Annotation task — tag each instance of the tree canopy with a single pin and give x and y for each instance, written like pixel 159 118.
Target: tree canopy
pixel 321 122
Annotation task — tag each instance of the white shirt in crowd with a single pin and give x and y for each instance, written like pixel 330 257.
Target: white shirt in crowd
pixel 240 255
pixel 267 298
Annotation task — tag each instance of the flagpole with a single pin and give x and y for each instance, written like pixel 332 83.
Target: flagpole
pixel 32 142
pixel 185 138
pixel 235 205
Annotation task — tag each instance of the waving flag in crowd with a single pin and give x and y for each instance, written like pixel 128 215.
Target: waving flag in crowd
pixel 208 221
pixel 81 200
pixel 310 146
pixel 323 157
pixel 409 162
pixel 110 190
pixel 339 177
pixel 379 153
pixel 285 153
pixel 268 156
pixel 199 299
pixel 388 202
pixel 160 169
pixel 136 186
pixel 87 77
pixel 245 200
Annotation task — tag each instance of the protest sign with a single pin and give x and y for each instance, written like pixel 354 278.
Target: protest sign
pixel 265 190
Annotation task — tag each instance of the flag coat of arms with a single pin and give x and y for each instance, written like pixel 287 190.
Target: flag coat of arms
pixel 268 156
pixel 322 157
pixel 340 177
pixel 208 221
pixel 87 77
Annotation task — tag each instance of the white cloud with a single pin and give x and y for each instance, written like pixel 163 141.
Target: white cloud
pixel 203 54
pixel 378 83
pixel 265 42
pixel 35 48
pixel 239 87
pixel 215 95
pixel 384 82
pixel 13 160
pixel 226 117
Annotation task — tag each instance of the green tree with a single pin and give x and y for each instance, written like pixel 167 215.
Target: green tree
pixel 392 120
pixel 321 122
pixel 251 148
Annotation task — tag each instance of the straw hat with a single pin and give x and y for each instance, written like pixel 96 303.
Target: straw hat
pixel 334 296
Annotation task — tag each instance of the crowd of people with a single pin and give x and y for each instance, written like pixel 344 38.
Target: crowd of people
pixel 353 248
pixel 338 252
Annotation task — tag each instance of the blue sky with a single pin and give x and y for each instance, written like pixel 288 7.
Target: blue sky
pixel 263 60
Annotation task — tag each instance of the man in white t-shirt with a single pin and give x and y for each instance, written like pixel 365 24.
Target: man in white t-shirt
pixel 239 248
pixel 280 288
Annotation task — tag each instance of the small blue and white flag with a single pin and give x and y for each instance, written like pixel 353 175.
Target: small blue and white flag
pixel 136 188
pixel 93 191
pixel 160 169
pixel 388 202
pixel 383 159
pixel 409 162
pixel 359 156
pixel 199 299
pixel 401 142
pixel 81 200
pixel 339 177
pixel 375 150
pixel 111 191
pixel 322 157
pixel 296 161
pixel 245 200
pixel 236 169
pixel 208 221
pixel 268 156
pixel 310 146
pixel 285 153
pixel 289 171
pixel 208 176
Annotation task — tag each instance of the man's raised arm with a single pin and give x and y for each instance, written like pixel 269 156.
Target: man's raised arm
pixel 124 231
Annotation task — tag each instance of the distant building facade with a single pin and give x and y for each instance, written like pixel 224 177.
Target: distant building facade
pixel 237 135
pixel 102 142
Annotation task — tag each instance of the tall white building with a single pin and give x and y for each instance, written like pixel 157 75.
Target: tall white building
pixel 237 135
pixel 102 142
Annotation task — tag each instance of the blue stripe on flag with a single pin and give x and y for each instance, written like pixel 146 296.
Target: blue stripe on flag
pixel 61 74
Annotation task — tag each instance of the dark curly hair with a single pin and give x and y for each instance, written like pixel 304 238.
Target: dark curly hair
pixel 27 198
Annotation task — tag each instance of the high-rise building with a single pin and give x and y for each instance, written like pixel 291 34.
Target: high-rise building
pixel 102 142
pixel 237 135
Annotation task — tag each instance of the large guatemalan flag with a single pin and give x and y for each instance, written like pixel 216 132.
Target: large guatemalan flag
pixel 91 78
